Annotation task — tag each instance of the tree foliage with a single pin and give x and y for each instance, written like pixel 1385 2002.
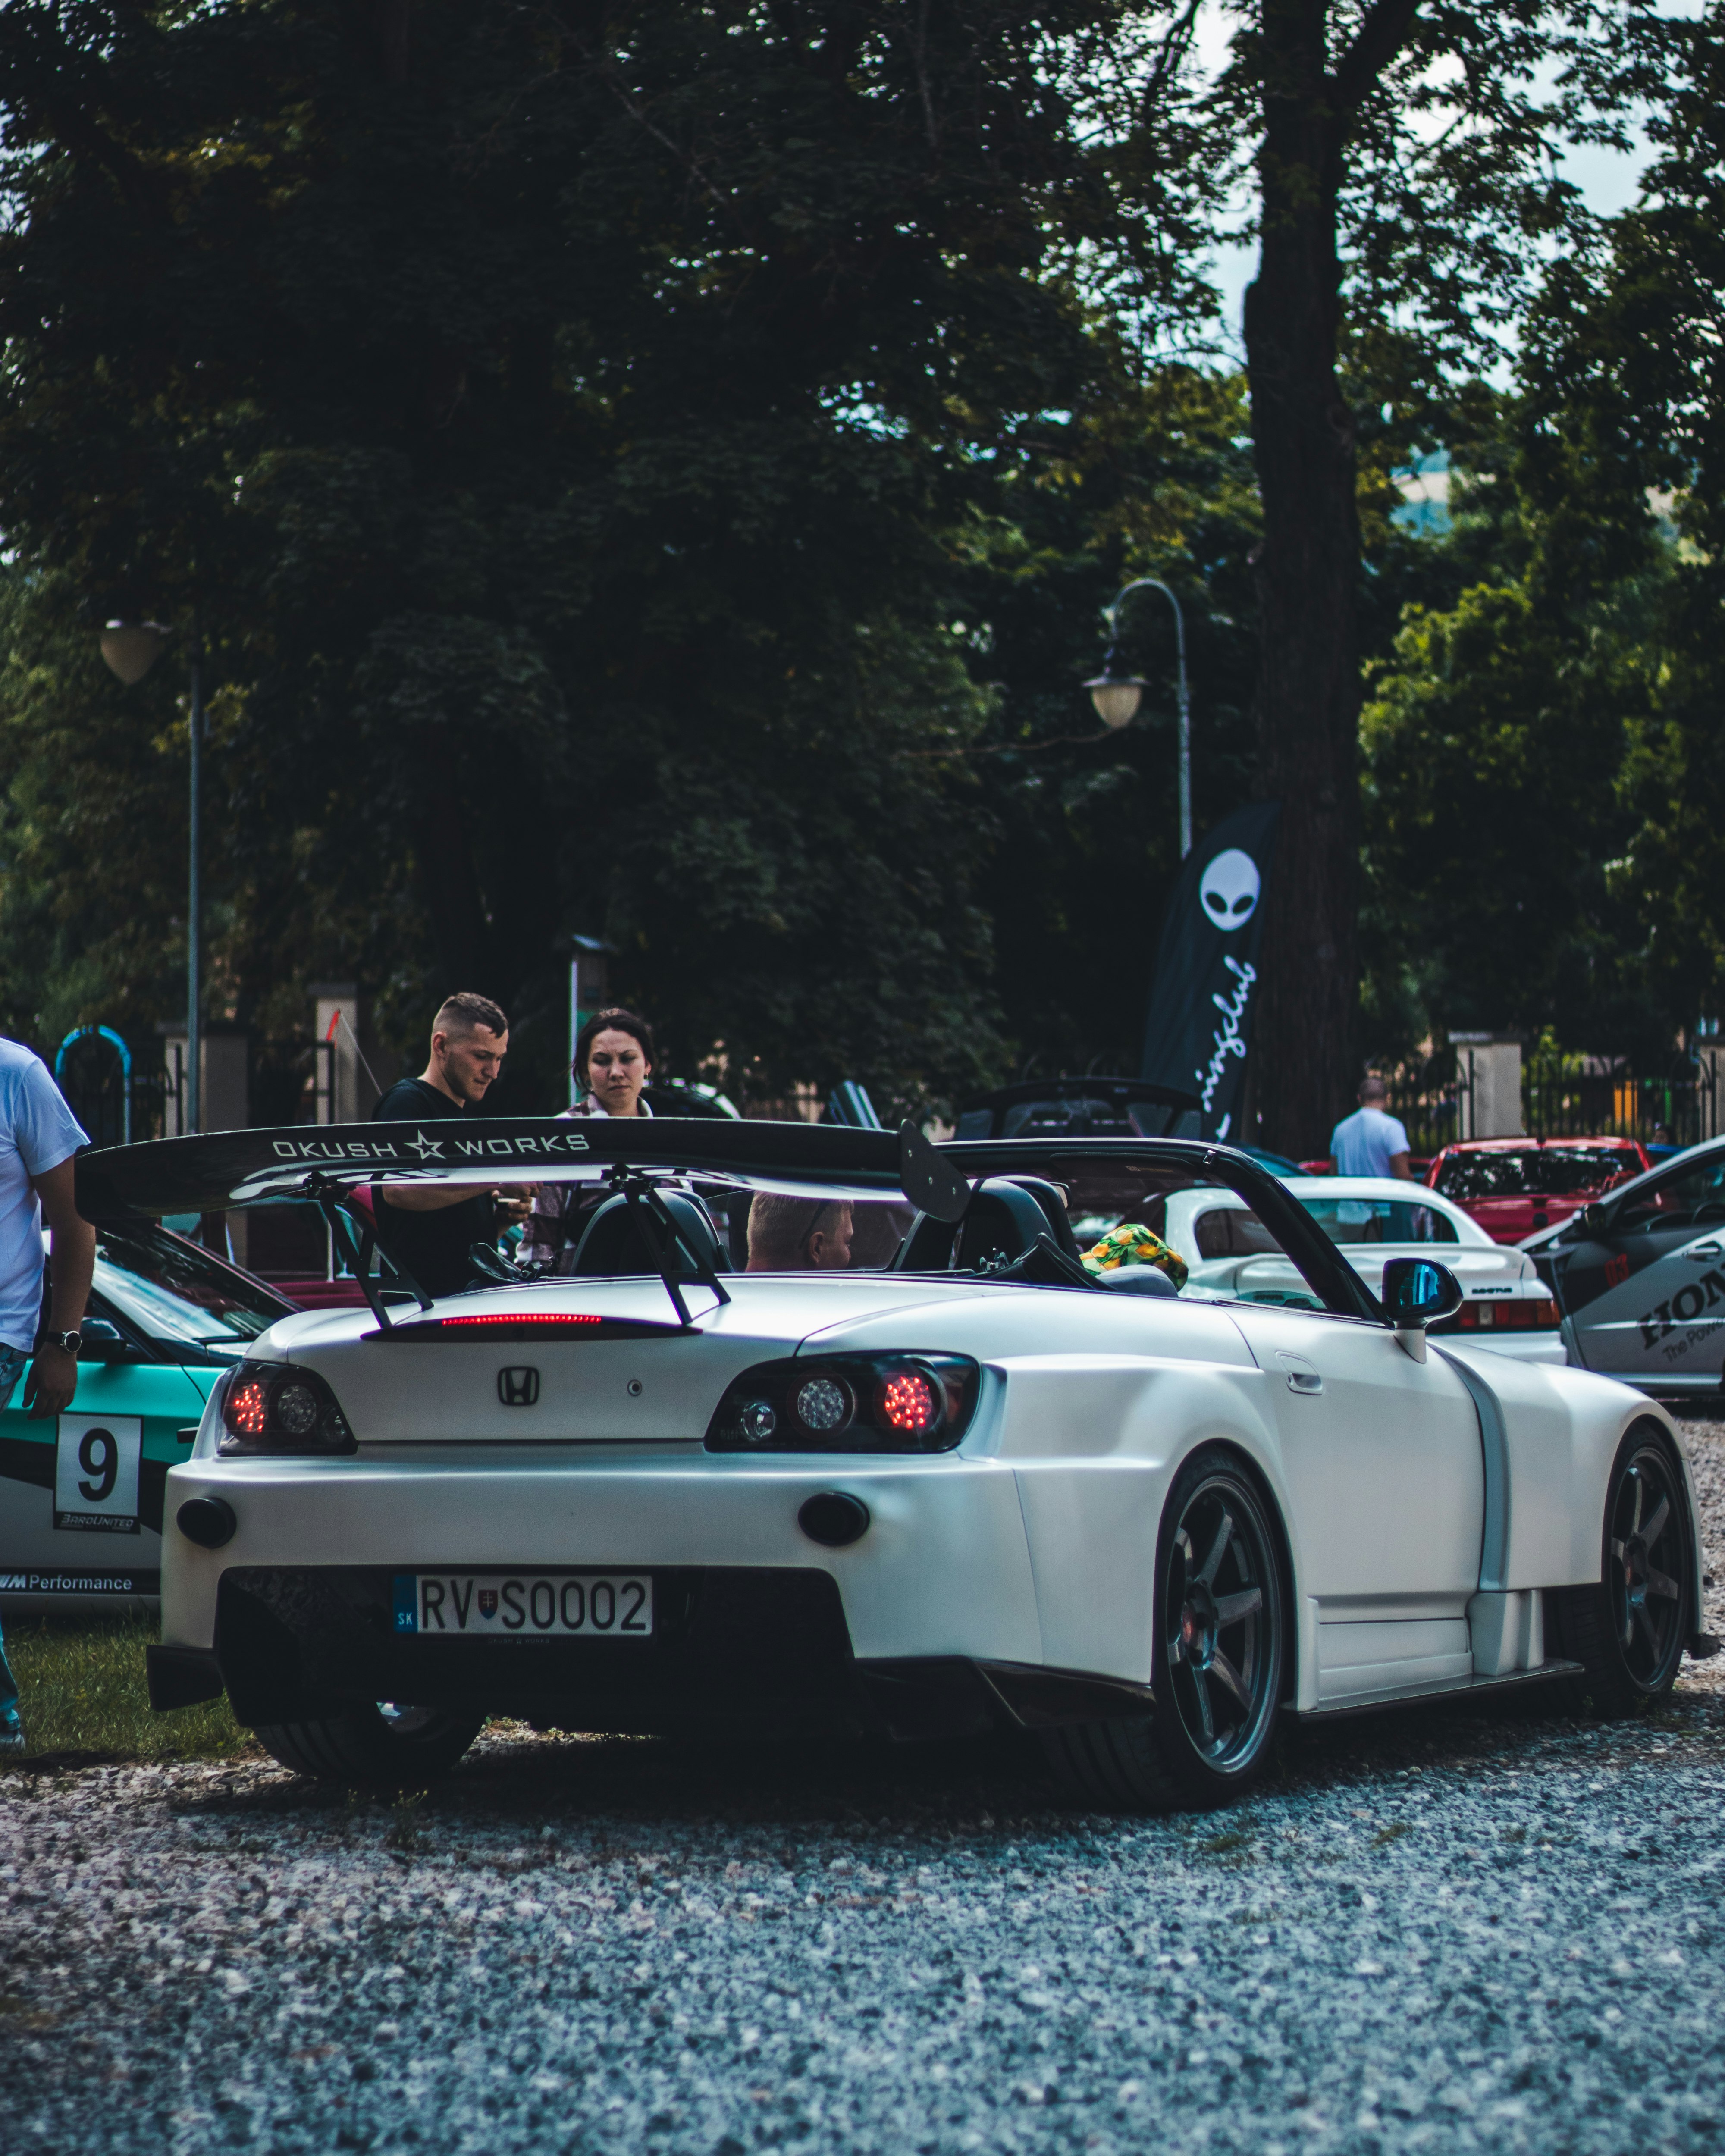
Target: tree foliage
pixel 657 472
pixel 550 419
pixel 1543 807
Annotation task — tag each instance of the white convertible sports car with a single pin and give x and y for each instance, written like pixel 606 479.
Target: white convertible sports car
pixel 1228 1253
pixel 975 1487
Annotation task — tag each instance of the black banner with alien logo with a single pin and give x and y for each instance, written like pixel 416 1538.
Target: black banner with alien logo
pixel 1207 966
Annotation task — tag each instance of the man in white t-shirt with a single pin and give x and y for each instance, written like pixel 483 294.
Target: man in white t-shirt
pixel 1370 1141
pixel 38 1136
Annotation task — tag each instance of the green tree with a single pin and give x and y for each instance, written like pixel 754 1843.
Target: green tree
pixel 1158 482
pixel 555 416
pixel 1626 360
pixel 1543 802
pixel 1495 741
pixel 1403 156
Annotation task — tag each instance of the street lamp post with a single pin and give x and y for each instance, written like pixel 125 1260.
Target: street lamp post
pixel 1116 695
pixel 194 909
pixel 130 649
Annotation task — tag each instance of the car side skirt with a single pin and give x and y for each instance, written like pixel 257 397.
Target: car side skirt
pixel 1470 1687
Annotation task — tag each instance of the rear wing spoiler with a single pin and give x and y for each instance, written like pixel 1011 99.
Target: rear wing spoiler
pixel 230 1170
pixel 318 1164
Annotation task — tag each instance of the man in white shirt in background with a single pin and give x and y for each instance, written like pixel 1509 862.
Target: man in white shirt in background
pixel 1370 1141
pixel 38 1136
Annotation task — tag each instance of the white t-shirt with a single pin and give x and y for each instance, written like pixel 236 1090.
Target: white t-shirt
pixel 38 1131
pixel 1366 1142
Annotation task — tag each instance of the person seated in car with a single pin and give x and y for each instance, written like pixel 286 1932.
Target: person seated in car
pixel 799 1235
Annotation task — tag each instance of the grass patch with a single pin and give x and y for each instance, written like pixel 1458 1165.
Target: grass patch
pixel 81 1688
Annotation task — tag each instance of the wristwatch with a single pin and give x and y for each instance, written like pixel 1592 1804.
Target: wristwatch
pixel 69 1343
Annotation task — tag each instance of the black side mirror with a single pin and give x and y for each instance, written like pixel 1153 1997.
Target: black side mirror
pixel 1595 1219
pixel 101 1341
pixel 1418 1292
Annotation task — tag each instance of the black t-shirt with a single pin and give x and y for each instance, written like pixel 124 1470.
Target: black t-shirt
pixel 432 1246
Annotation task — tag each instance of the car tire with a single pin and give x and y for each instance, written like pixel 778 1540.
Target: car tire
pixel 1220 1654
pixel 1630 1630
pixel 384 1746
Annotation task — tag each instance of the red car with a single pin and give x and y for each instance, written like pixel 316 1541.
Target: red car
pixel 1513 1187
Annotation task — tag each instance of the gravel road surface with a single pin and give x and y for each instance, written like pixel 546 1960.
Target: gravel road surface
pixel 1449 1930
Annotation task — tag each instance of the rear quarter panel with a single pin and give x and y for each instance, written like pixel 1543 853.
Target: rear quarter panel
pixel 1094 1447
pixel 1099 1401
pixel 1561 1429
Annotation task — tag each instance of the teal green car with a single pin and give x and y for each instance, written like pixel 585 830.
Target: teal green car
pixel 81 1493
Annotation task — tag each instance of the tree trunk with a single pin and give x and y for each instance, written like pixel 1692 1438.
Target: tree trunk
pixel 1308 688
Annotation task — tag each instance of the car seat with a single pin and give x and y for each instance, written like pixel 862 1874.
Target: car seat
pixel 615 1242
pixel 1004 1220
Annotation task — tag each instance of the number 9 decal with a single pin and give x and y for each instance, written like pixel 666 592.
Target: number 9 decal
pixel 95 1478
pixel 98 1456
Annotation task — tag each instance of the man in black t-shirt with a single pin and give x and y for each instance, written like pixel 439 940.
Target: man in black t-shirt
pixel 428 1228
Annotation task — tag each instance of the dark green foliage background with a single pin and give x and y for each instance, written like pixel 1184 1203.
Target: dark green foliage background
pixel 656 472
pixel 558 424
pixel 1544 813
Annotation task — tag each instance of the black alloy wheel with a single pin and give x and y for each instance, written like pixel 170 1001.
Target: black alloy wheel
pixel 1628 1632
pixel 1220 1653
pixel 1220 1613
pixel 1646 1561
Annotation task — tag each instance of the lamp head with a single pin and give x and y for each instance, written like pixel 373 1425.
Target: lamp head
pixel 1116 696
pixel 132 648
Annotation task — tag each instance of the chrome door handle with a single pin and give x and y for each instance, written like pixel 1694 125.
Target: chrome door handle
pixel 1705 1253
pixel 1299 1373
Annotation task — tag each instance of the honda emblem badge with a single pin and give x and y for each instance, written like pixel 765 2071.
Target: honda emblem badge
pixel 518 1388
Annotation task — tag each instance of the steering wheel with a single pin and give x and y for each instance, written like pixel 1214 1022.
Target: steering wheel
pixel 1712 1209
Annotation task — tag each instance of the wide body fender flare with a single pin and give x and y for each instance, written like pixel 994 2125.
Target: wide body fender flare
pixel 1093 1482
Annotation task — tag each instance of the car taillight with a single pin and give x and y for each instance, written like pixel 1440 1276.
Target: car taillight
pixel 849 1404
pixel 1518 1314
pixel 272 1409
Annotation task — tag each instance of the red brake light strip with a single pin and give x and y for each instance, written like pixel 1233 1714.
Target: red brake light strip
pixel 521 1322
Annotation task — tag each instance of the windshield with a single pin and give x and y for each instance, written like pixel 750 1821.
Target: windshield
pixel 173 1290
pixel 1380 1221
pixel 1567 1171
pixel 1535 1171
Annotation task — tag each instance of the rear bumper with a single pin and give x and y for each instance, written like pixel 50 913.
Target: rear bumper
pixel 944 1569
pixel 732 1649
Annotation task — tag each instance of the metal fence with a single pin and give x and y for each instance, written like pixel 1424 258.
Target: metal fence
pixel 1434 1100
pixel 1594 1098
pixel 116 1100
pixel 1572 1097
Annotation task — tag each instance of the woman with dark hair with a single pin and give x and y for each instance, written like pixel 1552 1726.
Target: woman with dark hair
pixel 614 1061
